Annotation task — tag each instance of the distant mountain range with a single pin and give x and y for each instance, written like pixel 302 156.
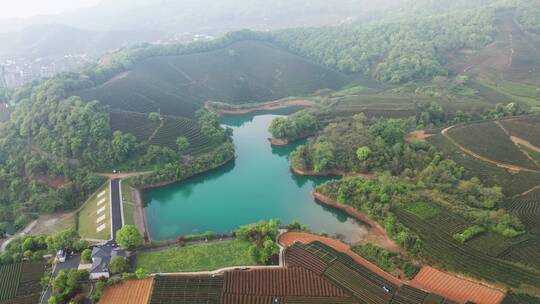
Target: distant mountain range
pixel 208 16
pixel 58 40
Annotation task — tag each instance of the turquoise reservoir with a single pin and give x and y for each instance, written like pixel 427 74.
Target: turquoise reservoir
pixel 257 185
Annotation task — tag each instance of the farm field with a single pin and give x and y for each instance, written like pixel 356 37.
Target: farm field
pixel 460 289
pixel 488 140
pixel 494 244
pixel 198 257
pixel 246 71
pixel 512 183
pixel 527 128
pixel 174 127
pixel 513 298
pixel 94 219
pixel 20 283
pixel 137 124
pixel 187 289
pixel 128 292
pixel 527 208
pixel 161 133
pixel 526 253
pixel 456 257
pixel 382 105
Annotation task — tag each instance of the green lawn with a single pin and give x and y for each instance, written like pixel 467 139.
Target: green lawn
pixel 199 257
pixel 127 203
pixel 88 215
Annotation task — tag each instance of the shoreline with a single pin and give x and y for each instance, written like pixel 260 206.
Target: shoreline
pixel 166 183
pixel 139 217
pixel 138 194
pixel 376 233
pixel 264 106
pixel 280 142
pixel 337 173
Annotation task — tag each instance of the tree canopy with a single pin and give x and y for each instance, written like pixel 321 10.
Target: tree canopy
pixel 129 237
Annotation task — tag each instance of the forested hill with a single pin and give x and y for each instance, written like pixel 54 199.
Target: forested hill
pixel 420 42
pixel 396 52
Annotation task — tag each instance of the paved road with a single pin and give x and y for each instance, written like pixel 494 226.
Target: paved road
pixel 116 210
pixel 71 263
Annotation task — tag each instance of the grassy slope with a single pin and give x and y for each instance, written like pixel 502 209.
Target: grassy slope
pixel 199 257
pixel 128 203
pixel 246 71
pixel 87 216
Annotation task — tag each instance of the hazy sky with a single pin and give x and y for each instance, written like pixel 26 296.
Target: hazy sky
pixel 29 8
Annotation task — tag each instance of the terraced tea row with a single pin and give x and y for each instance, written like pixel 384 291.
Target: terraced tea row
pixel 527 208
pixel 137 124
pixel 9 280
pixel 512 183
pixel 20 283
pixel 186 289
pixel 174 127
pixel 457 257
pixel 243 72
pixel 161 133
pixel 527 128
pixel 526 253
pixel 488 140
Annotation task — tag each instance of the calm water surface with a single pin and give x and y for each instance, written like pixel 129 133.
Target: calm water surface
pixel 257 185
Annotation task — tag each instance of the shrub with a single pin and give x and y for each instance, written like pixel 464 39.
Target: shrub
pixel 141 274
pixel 86 256
pixel 118 264
pixel 410 270
pixel 468 234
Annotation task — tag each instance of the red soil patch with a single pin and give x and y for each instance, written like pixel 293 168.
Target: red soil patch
pixel 418 135
pixel 455 288
pixel 129 292
pixel 53 182
pixel 289 238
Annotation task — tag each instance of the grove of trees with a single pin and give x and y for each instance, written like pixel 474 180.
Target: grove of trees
pixel 394 50
pixel 300 124
pixel 263 235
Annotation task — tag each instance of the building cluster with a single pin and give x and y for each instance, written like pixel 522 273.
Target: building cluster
pixel 17 72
